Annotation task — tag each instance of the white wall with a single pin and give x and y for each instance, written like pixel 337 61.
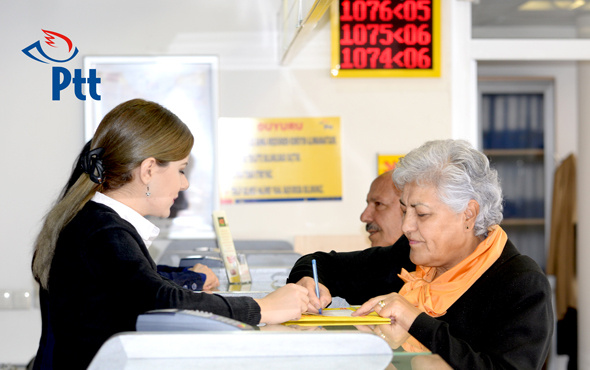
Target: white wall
pixel 40 138
pixel 583 227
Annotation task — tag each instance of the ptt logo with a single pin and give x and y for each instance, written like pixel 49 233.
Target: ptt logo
pixel 60 49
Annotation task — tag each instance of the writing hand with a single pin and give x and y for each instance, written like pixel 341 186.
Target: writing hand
pixel 314 303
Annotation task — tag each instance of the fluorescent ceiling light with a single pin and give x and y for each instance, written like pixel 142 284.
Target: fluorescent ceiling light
pixel 536 5
pixel 545 5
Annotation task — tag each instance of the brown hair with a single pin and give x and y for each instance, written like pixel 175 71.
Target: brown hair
pixel 130 133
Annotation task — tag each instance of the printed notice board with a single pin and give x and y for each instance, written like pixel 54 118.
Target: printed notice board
pixel 387 162
pixel 385 38
pixel 279 159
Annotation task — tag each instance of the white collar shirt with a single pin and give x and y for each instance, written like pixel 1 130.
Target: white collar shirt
pixel 147 230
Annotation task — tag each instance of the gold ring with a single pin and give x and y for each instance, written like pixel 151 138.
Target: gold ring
pixel 381 304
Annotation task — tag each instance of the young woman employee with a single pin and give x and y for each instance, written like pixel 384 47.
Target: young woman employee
pixel 90 258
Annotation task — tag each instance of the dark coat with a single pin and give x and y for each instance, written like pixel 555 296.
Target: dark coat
pixel 102 277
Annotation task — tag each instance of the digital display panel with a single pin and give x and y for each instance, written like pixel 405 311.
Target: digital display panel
pixel 385 38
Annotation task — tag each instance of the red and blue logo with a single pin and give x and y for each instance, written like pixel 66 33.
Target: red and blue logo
pixel 59 50
pixel 49 40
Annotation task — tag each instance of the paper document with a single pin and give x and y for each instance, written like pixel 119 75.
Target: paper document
pixel 338 316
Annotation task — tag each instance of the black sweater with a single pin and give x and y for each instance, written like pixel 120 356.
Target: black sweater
pixel 504 321
pixel 102 278
pixel 358 276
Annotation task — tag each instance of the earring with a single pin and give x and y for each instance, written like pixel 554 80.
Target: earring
pixel 147 193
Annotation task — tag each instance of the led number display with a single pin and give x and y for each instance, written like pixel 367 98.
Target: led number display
pixel 385 38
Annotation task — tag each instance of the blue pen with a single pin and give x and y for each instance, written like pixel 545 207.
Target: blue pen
pixel 315 278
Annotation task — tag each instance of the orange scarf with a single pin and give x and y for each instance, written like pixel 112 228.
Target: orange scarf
pixel 435 296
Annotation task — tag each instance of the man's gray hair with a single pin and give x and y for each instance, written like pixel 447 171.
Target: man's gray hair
pixel 460 173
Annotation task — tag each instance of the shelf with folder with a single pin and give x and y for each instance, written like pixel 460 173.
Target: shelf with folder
pixel 516 131
pixel 521 172
pixel 523 222
pixel 522 180
pixel 522 152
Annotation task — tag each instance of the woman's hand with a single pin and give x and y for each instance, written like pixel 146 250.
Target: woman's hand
pixel 211 280
pixel 314 303
pixel 393 306
pixel 284 304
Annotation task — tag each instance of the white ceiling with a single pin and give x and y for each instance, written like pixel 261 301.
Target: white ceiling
pixel 488 15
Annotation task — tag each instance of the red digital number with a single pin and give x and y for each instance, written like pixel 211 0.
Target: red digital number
pixel 412 10
pixel 424 7
pixel 345 62
pixel 417 35
pixel 345 14
pixel 357 11
pixel 380 10
pixel 385 34
pixel 410 34
pixel 386 30
pixel 411 58
pixel 361 58
pixel 385 58
pixel 409 10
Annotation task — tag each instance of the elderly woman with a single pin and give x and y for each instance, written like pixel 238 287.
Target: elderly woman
pixel 473 299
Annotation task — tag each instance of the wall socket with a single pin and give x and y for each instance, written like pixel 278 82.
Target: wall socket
pixel 16 299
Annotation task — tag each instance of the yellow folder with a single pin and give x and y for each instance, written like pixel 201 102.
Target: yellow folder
pixel 339 316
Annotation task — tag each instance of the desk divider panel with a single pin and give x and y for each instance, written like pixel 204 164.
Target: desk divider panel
pixel 348 349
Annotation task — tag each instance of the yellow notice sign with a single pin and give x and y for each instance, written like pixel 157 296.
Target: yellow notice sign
pixel 279 159
pixel 386 162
